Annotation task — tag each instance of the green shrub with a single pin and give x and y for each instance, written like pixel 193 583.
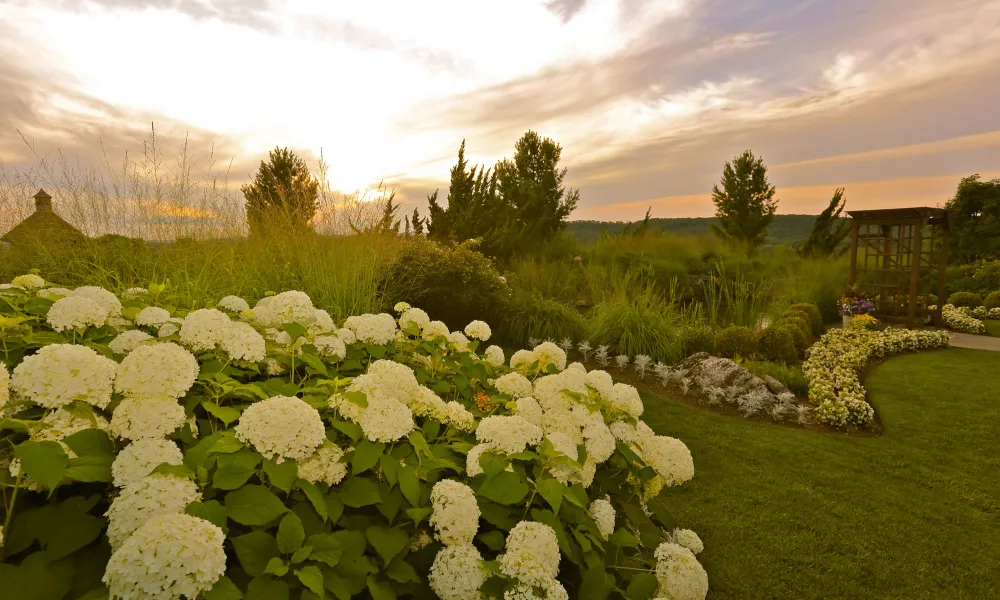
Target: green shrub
pixel 453 284
pixel 530 315
pixel 992 300
pixel 966 299
pixel 697 338
pixel 932 299
pixel 790 376
pixel 735 341
pixel 800 338
pixel 801 321
pixel 635 328
pixel 777 344
pixel 811 311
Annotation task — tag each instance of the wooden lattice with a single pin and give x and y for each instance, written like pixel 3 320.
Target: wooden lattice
pixel 898 259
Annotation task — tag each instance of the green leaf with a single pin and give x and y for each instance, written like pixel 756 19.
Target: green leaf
pixel 623 538
pixel 73 533
pixel 266 588
pixel 224 589
pixel 351 430
pixel 211 511
pixel 662 513
pixel 235 469
pixel 90 442
pixel 553 492
pixel 380 589
pixel 409 484
pixel 226 444
pixel 505 488
pixel 419 443
pixel 276 567
pixel 312 579
pixel 90 468
pixel 226 414
pixel 595 584
pixel 366 456
pixel 301 554
pixel 198 455
pixel 642 587
pixel 337 585
pixel 493 540
pixel 281 476
pixel 388 542
pixel 294 330
pixel 254 550
pixel 401 571
pixel 173 470
pixel 492 464
pixel 315 497
pixel 390 468
pixel 357 492
pixel 290 534
pixel 334 507
pixel 391 500
pixel 375 351
pixel 254 505
pixel 327 548
pixel 45 462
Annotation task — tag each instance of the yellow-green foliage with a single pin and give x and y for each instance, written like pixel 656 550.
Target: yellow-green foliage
pixel 736 342
pixel 811 311
pixel 777 344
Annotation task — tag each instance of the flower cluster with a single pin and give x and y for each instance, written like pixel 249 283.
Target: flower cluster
pixel 836 360
pixel 282 427
pixel 962 320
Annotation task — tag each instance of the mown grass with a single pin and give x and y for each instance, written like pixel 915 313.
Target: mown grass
pixel 914 513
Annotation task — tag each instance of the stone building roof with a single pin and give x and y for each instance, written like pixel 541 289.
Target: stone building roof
pixel 43 225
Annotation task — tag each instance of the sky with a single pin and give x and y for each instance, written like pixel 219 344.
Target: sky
pixel 895 100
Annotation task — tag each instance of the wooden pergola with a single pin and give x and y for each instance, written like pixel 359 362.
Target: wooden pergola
pixel 895 255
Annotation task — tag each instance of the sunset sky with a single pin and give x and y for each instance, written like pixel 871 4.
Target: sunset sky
pixel 894 99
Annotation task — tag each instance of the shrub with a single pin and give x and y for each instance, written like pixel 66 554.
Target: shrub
pixel 634 328
pixel 790 376
pixel 777 344
pixel 965 300
pixel 736 341
pixel 529 315
pixel 811 311
pixel 992 300
pixel 453 284
pixel 697 338
pixel 342 461
pixel 800 338
pixel 800 320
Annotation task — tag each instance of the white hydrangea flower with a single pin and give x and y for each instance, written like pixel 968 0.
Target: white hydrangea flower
pixel 61 423
pixel 168 557
pixel 626 399
pixel 459 417
pixel 4 385
pixel 668 456
pixel 602 383
pixel 494 356
pixel 454 512
pixel 529 409
pixel 377 329
pixel 152 316
pixel 324 465
pixel 385 420
pixel 551 589
pixel 680 575
pixel 508 434
pixel 205 328
pixel 346 335
pixel 282 427
pixel 603 514
pixel 106 299
pixel 548 353
pixel 623 431
pixel 600 441
pixel 457 573
pixel 28 281
pixel 434 329
pixel 243 342
pixel 61 373
pixel 689 539
pixel 128 341
pixel 149 497
pixel 167 330
pixel 522 359
pixel 158 368
pixel 414 316
pixel 513 384
pixel 426 403
pixel 274 367
pixel 550 391
pixel 330 346
pixel 322 323
pixel 472 466
pixel 76 312
pixel 531 554
pixel 387 380
pixel 478 330
pixel 400 307
pixel 233 304
pixel 147 416
pixel 134 292
pixel 287 307
pixel 458 341
pixel 54 293
pixel 566 445
pixel 138 459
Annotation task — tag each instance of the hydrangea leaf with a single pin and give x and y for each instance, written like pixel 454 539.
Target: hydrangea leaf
pixel 357 492
pixel 401 571
pixel 235 469
pixel 226 414
pixel 312 578
pixel 387 541
pixel 553 492
pixel 45 462
pixel 90 468
pixel 642 587
pixel 380 589
pixel 276 567
pixel 254 505
pixel 314 496
pixel 493 540
pixel 211 511
pixel 224 589
pixel 623 538
pixel 266 588
pixel 281 475
pixel 90 442
pixel 366 456
pixel 595 585
pixel 409 484
pixel 326 548
pixel 504 488
pixel 290 534
pixel 254 550
pixel 390 469
pixel 301 554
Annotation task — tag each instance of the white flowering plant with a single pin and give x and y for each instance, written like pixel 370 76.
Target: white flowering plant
pixel 269 453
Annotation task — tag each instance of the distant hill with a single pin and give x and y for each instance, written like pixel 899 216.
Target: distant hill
pixel 784 229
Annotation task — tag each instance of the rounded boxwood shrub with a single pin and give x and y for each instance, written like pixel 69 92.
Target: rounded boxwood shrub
pixel 777 344
pixel 966 299
pixel 697 338
pixel 992 300
pixel 801 321
pixel 735 341
pixel 800 338
pixel 811 311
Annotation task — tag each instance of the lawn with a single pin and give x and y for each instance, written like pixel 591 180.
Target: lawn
pixel 915 513
pixel 992 328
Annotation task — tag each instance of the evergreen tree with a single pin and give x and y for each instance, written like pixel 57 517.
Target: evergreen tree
pixel 745 205
pixel 829 230
pixel 417 221
pixel 282 198
pixel 406 229
pixel 974 219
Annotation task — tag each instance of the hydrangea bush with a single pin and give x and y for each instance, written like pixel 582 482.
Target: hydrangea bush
pixel 265 453
pixel 966 320
pixel 835 362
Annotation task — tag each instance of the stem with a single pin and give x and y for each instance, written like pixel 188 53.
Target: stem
pixel 629 569
pixel 10 507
